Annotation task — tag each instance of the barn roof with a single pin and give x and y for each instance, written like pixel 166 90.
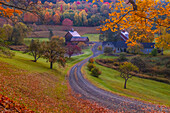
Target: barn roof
pixel 79 39
pixel 74 33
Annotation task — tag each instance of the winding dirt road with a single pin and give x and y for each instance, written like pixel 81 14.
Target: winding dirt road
pixel 112 101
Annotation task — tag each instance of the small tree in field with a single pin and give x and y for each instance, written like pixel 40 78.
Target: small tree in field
pixel 54 52
pixel 81 45
pixel 60 40
pixel 72 49
pixel 36 49
pixel 91 60
pixel 125 69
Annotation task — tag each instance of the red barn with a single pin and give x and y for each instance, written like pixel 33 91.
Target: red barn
pixel 74 37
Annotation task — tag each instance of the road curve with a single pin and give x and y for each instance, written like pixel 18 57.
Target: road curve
pixel 112 101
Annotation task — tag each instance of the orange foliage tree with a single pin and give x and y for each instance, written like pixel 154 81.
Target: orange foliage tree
pixel 7 11
pixel 47 17
pixel 56 18
pixel 141 16
pixel 12 9
pixel 30 17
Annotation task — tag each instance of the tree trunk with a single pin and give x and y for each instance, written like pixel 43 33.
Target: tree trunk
pixel 51 65
pixel 35 59
pixel 162 52
pixel 125 84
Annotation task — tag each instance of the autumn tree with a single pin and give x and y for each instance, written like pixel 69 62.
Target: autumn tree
pixel 138 32
pixel 134 47
pixel 140 16
pixel 30 17
pixel 36 49
pixel 54 52
pixel 8 31
pixel 58 39
pixel 125 69
pixel 20 31
pixel 69 14
pixel 76 19
pixel 67 22
pixel 72 49
pixel 47 17
pixel 3 35
pixel 5 9
pixel 56 18
pixel 13 9
pixel 81 45
pixel 83 17
pixel 163 39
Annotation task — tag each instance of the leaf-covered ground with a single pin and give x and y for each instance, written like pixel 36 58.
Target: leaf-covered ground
pixel 8 105
pixel 36 87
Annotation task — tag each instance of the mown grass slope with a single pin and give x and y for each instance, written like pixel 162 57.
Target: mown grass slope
pixel 92 37
pixel 138 88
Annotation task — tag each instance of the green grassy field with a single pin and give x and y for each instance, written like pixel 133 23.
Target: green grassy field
pixel 167 52
pixel 92 37
pixel 40 87
pixel 28 40
pixel 138 88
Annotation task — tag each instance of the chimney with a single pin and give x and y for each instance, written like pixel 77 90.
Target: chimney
pixel 72 30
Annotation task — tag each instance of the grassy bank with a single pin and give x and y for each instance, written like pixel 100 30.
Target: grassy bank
pixel 27 41
pixel 92 37
pixel 36 86
pixel 138 88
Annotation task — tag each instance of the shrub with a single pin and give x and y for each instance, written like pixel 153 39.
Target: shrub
pixel 95 72
pixel 90 66
pixel 67 22
pixel 154 52
pixel 138 62
pixel 168 64
pixel 166 72
pixel 100 48
pixel 134 48
pixel 108 50
pixel 91 60
pixel 110 60
pixel 5 52
pixel 122 57
pixel 116 63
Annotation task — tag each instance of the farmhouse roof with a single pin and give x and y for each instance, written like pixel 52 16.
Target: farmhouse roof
pixel 121 44
pixel 79 39
pixel 108 42
pixel 118 44
pixel 74 33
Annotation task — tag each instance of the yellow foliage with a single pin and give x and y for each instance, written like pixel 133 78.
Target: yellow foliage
pixel 140 20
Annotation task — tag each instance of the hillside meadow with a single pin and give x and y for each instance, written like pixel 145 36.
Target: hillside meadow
pixel 138 88
pixel 35 86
